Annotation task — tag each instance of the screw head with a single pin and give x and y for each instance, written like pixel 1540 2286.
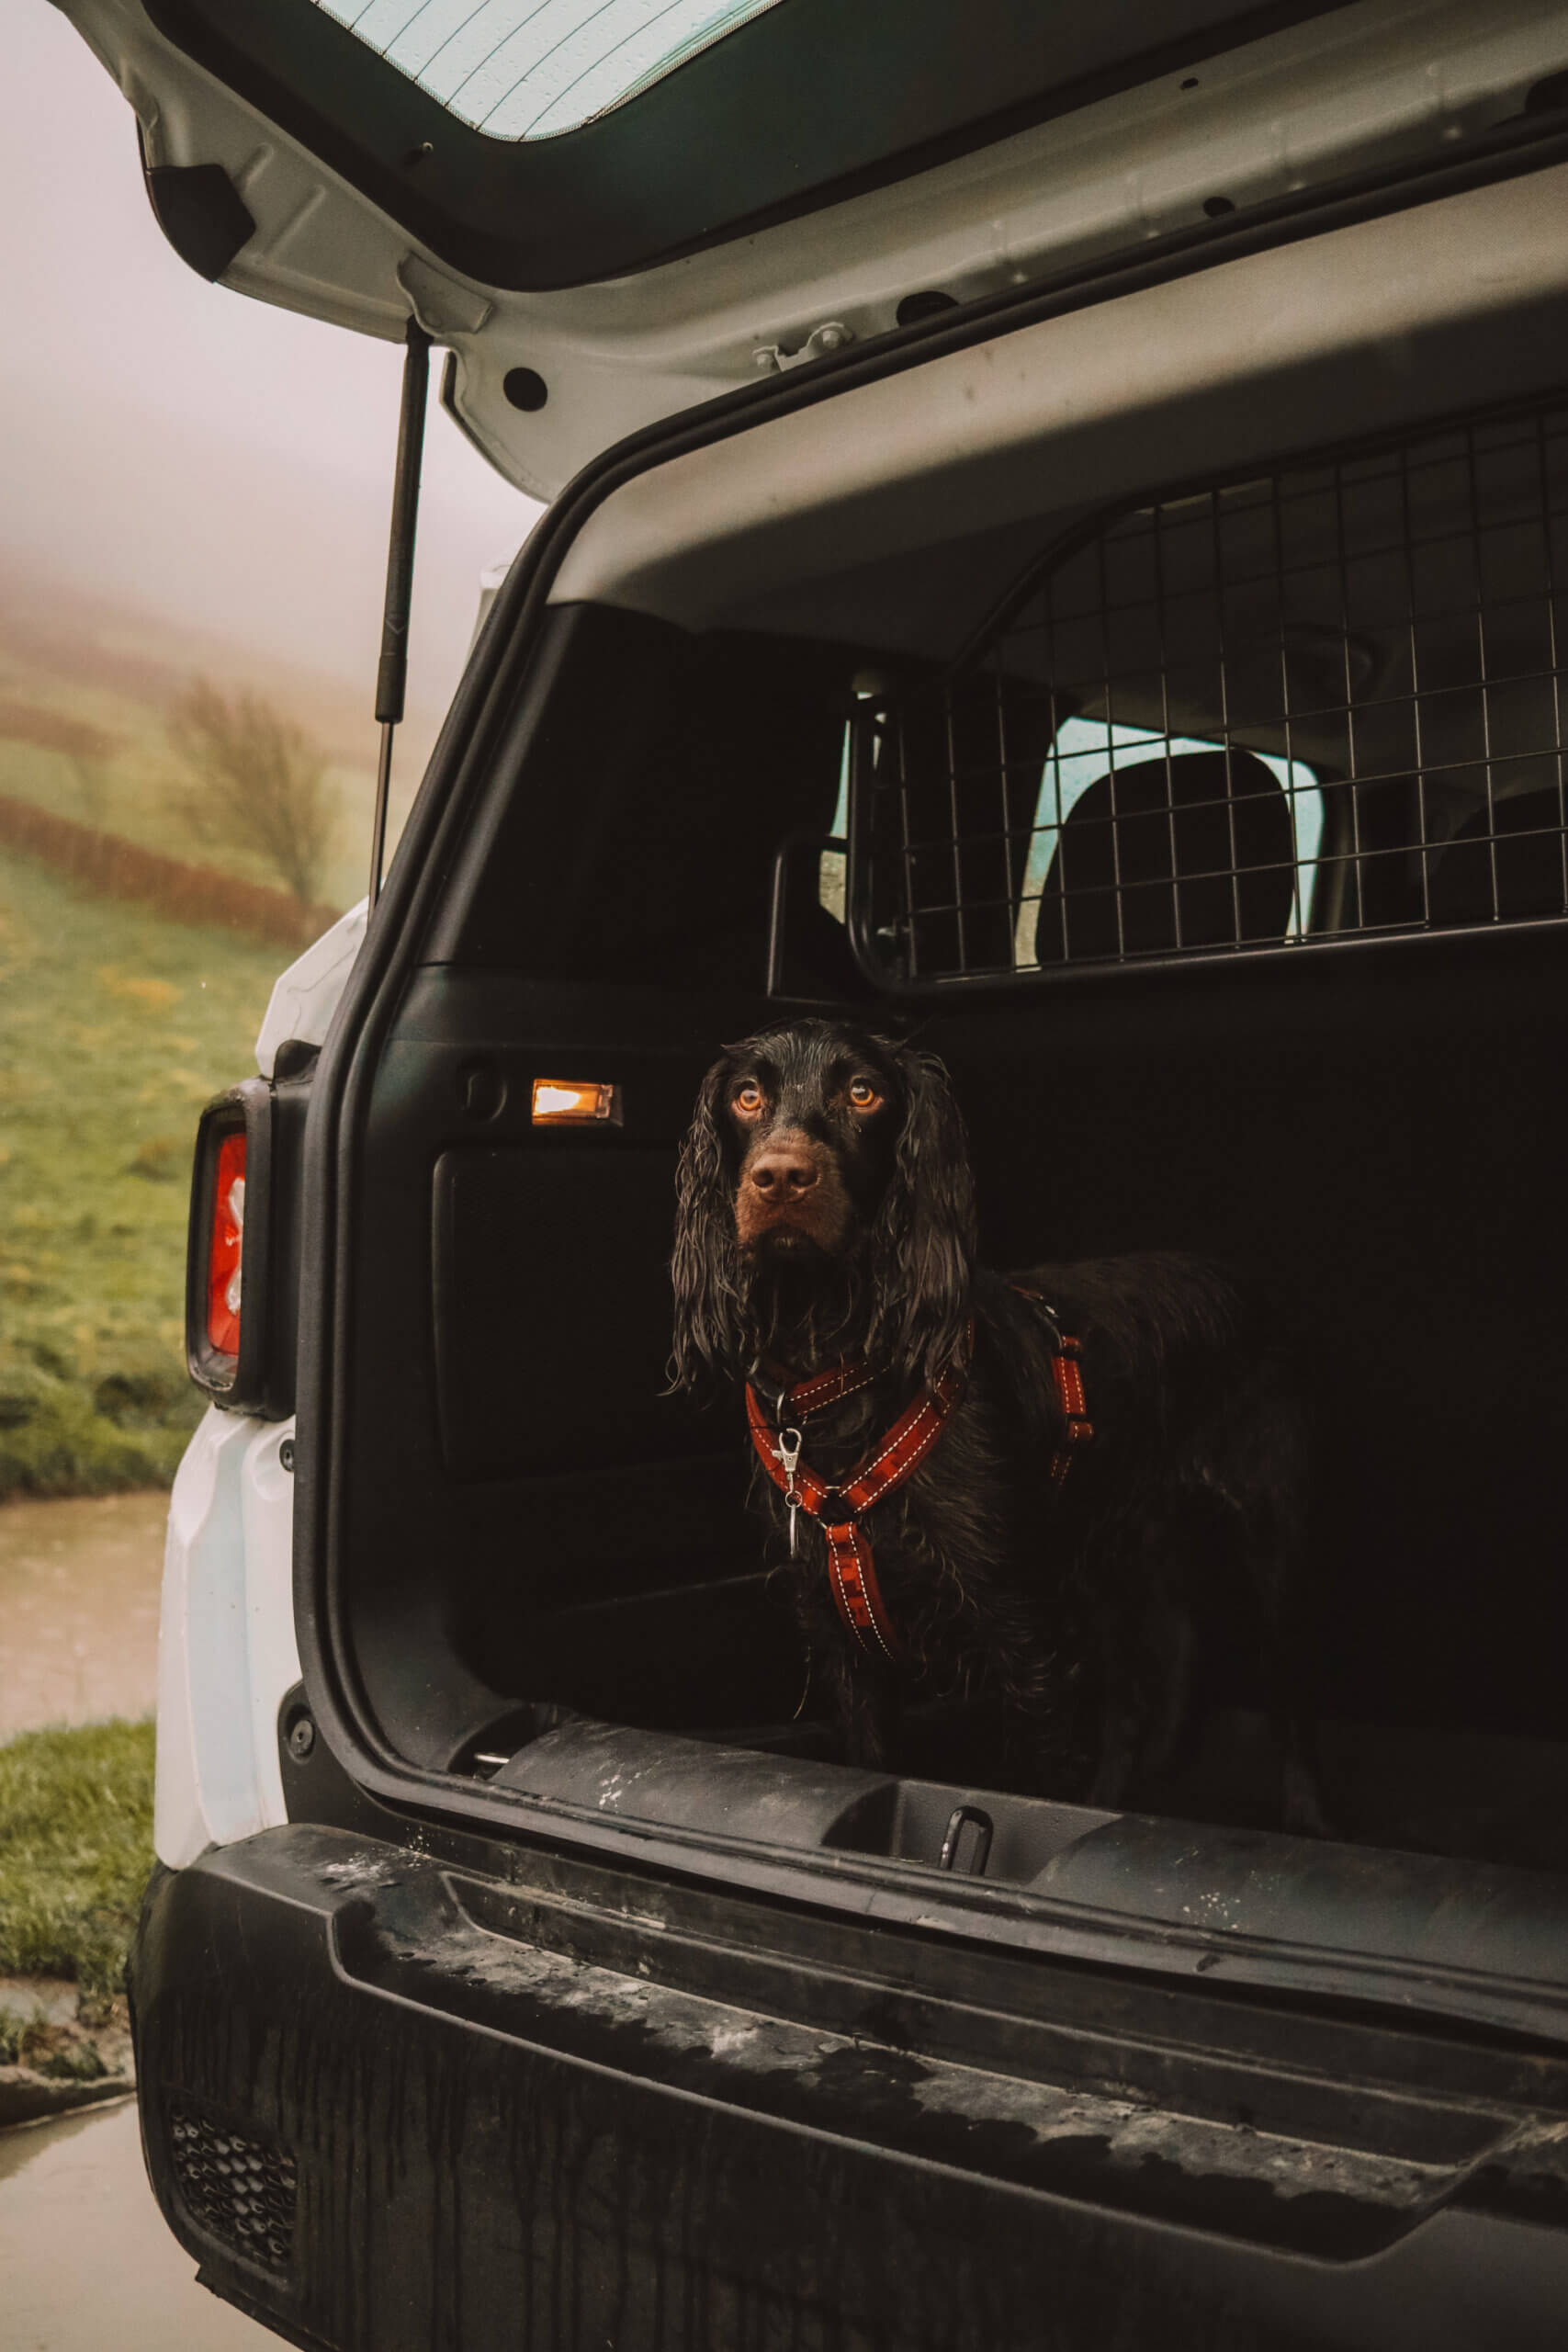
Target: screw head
pixel 286 1453
pixel 301 1736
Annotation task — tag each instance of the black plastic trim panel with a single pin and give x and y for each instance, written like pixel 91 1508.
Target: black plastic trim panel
pixel 261 1380
pixel 508 2108
pixel 201 212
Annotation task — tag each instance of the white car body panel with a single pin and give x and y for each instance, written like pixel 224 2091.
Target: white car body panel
pixel 226 1646
pixel 1364 86
pixel 703 536
pixel 304 996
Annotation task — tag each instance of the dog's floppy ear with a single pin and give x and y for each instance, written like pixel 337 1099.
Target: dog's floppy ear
pixel 705 1268
pixel 923 1241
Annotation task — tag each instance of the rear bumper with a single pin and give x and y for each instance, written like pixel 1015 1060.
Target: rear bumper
pixel 379 2115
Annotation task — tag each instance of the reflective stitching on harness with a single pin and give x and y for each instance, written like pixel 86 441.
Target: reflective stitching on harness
pixel 850 1561
pixel 848 1535
pixel 899 1439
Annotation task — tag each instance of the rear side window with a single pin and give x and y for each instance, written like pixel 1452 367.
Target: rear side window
pixel 1319 703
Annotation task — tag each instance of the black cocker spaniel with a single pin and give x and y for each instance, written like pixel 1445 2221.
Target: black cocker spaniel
pixel 1040 1500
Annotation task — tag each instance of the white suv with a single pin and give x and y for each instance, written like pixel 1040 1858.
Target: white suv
pixel 1060 535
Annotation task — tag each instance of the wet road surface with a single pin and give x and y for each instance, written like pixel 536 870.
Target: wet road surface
pixel 87 2264
pixel 86 2261
pixel 79 1608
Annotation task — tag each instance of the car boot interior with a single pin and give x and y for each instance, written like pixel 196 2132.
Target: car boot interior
pixel 1188 776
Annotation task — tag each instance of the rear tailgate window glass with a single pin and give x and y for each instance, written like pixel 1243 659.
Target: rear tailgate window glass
pixel 525 69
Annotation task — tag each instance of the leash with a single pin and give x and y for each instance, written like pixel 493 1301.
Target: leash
pixel 851 1567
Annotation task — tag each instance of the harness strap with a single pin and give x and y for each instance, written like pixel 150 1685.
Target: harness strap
pixel 851 1567
pixel 830 1387
pixel 1066 1371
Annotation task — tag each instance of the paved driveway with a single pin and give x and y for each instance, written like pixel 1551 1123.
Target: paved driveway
pixel 79 1608
pixel 87 2264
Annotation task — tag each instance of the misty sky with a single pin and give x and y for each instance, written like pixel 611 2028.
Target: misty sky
pixel 188 451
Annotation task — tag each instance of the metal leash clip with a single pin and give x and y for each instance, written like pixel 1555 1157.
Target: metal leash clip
pixel 788 1450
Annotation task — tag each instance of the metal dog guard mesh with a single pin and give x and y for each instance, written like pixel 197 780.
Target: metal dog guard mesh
pixel 1322 701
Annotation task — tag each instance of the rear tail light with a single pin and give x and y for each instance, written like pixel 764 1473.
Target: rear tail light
pixel 226 1247
pixel 227 1275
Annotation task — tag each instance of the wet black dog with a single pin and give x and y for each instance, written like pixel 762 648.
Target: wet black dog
pixel 1068 1592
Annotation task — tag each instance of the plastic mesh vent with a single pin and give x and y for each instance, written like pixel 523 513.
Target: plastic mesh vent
pixel 239 2189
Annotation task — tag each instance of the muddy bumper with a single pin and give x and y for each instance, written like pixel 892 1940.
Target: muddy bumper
pixel 381 2109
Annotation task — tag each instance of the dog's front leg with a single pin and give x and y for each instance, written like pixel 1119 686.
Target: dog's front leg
pixel 868 1711
pixel 1148 1689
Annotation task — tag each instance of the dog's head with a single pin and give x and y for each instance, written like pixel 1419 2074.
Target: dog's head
pixel 825 1203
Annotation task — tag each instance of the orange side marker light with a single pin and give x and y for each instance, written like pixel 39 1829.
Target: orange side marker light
pixel 575 1103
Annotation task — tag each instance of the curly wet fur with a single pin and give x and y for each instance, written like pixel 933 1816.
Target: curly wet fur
pixel 1075 1625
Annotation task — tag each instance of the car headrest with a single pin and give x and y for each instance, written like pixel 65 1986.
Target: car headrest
pixel 1196 851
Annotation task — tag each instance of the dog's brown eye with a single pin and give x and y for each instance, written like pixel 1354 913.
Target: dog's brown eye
pixel 864 1095
pixel 748 1095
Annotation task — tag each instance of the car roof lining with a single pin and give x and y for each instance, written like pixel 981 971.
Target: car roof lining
pixel 895 513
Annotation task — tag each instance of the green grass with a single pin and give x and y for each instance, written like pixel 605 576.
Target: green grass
pixel 75 1852
pixel 116 1026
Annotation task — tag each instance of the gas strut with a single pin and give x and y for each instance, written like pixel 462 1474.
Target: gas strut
pixel 392 677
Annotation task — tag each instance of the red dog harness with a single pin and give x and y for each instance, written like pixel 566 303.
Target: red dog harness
pixel 852 1569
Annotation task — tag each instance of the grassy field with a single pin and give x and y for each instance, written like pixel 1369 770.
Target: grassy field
pixel 132 787
pixel 107 681
pixel 75 1852
pixel 115 1027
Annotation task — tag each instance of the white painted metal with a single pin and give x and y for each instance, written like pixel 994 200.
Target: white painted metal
pixel 1364 85
pixel 304 996
pixel 1432 308
pixel 226 1646
pixel 491 580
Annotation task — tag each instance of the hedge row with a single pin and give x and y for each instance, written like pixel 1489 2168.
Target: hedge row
pixel 116 868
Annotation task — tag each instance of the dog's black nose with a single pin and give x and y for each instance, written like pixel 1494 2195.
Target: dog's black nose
pixel 781 1173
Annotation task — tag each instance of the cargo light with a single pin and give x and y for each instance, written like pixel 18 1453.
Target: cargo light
pixel 226 1246
pixel 575 1103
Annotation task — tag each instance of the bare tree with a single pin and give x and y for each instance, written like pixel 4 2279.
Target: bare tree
pixel 92 787
pixel 261 784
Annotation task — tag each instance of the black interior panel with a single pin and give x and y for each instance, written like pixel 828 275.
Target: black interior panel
pixel 1382 1134
pixel 480 1570
pixel 1378 1127
pixel 552 1303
